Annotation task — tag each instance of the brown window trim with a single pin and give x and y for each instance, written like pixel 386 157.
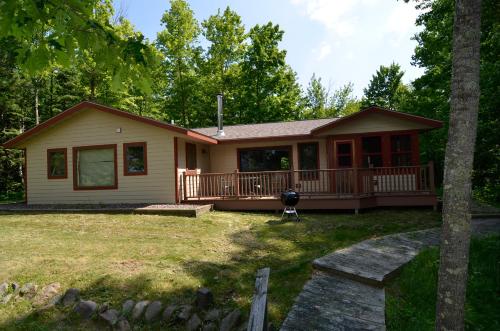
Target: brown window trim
pixel 125 166
pixel 195 156
pixel 52 150
pixel 308 174
pixel 287 147
pixel 86 188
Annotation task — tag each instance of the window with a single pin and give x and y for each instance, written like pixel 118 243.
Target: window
pixel 265 159
pixel 401 150
pixel 94 167
pixel 308 160
pixel 135 159
pixel 191 156
pixel 372 151
pixel 344 154
pixel 57 163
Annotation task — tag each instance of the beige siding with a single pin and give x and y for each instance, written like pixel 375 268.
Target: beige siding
pixel 375 123
pixel 202 160
pixel 223 158
pixel 92 127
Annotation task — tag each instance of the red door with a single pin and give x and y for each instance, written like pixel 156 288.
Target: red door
pixel 344 161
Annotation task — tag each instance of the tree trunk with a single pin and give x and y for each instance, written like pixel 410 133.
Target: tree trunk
pixel 37 112
pixel 459 156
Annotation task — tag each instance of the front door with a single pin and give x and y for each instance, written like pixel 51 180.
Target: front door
pixel 344 161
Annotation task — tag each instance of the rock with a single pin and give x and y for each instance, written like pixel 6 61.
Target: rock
pixel 6 299
pixel 28 290
pixel 4 288
pixel 127 307
pixel 71 297
pixel 185 312
pixel 168 313
pixel 139 309
pixel 210 327
pixel 122 325
pixel 230 321
pixel 213 315
pixel 194 323
pixel 102 308
pixel 110 316
pixel 153 311
pixel 46 294
pixel 204 298
pixel 15 288
pixel 86 309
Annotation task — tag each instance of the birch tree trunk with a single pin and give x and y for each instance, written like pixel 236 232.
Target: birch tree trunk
pixel 459 157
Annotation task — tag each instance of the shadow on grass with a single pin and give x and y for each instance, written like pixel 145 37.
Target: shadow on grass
pixel 288 248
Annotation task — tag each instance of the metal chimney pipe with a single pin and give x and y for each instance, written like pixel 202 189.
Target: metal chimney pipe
pixel 220 116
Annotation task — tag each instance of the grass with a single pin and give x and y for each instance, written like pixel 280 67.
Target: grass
pixel 411 298
pixel 115 257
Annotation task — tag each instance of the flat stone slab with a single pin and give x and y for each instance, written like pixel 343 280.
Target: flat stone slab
pixel 346 289
pixel 330 302
pixel 375 261
pixel 155 209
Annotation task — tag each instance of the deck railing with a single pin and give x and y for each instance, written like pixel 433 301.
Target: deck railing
pixel 339 182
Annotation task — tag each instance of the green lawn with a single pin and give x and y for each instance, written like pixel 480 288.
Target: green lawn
pixel 411 298
pixel 115 257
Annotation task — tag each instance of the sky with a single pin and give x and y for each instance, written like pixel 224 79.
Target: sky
pixel 340 41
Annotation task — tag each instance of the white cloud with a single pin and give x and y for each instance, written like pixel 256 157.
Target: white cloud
pixel 323 51
pixel 401 19
pixel 337 16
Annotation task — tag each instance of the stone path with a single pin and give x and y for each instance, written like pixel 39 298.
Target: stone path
pixel 346 291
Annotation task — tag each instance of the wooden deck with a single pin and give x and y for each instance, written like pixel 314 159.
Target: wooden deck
pixel 353 188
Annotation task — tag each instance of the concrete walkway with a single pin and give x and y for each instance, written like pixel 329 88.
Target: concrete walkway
pixel 346 291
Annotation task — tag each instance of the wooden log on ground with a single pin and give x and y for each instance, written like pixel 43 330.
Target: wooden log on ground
pixel 258 313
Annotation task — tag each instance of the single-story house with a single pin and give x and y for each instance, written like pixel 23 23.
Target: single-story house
pixel 94 154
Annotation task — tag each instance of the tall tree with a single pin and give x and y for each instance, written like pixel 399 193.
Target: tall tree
pixel 385 87
pixel 269 86
pixel 431 92
pixel 317 98
pixel 455 235
pixel 178 44
pixel 51 32
pixel 226 34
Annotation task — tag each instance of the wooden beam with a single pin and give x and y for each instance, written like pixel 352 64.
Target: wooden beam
pixel 258 313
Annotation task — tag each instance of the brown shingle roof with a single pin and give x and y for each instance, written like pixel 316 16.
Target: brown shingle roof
pixel 266 130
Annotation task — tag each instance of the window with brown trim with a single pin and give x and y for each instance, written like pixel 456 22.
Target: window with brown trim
pixel 401 152
pixel 265 159
pixel 135 159
pixel 344 154
pixel 57 163
pixel 191 162
pixel 371 148
pixel 308 160
pixel 95 167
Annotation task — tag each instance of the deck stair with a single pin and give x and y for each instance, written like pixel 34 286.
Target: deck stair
pixel 346 291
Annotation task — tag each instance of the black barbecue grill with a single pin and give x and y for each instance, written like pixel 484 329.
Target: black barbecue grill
pixel 290 199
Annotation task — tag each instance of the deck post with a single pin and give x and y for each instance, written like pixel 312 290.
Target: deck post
pixel 431 177
pixel 237 182
pixel 258 312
